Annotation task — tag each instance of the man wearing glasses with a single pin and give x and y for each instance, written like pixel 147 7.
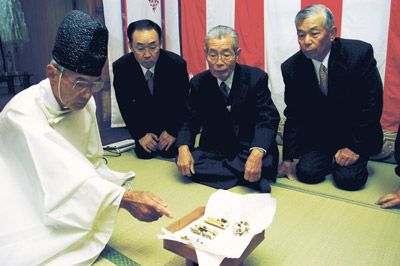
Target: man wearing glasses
pixel 232 105
pixel 151 87
pixel 59 198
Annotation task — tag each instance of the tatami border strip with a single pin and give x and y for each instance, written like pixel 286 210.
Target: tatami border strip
pixel 333 197
pixel 117 258
pixel 320 194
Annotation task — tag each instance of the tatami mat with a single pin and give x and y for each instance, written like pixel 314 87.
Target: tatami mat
pixel 382 180
pixel 308 228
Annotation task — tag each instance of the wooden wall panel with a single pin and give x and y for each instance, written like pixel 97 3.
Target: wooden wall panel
pixel 43 18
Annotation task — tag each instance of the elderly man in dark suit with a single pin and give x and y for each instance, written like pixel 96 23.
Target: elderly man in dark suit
pixel 333 95
pixel 233 106
pixel 151 87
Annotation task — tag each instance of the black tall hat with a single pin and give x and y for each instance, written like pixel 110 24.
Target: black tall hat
pixel 81 44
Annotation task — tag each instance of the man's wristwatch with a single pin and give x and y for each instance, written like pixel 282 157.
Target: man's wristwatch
pixel 260 149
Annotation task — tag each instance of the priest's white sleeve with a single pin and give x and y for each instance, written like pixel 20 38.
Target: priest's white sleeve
pixel 55 207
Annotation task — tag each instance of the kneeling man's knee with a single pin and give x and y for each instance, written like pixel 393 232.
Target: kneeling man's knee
pixel 351 181
pixel 307 174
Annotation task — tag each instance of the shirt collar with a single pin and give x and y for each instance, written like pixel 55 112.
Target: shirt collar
pixel 228 81
pixel 317 64
pixel 151 69
pixel 325 61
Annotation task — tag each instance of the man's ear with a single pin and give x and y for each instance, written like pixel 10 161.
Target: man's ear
pixel 131 47
pixel 237 54
pixel 333 33
pixel 51 72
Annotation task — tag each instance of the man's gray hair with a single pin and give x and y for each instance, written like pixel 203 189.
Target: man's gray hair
pixel 308 11
pixel 222 31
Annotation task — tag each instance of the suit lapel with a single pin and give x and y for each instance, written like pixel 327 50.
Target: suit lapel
pixel 214 92
pixel 159 71
pixel 305 74
pixel 237 97
pixel 138 80
pixel 221 106
pixel 337 69
pixel 239 88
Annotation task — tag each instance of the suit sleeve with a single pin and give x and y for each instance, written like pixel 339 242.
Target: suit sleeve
pixel 129 109
pixel 290 134
pixel 367 136
pixel 267 120
pixel 178 108
pixel 190 125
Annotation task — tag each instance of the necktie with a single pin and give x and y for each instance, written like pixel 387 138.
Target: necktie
pixel 224 90
pixel 149 78
pixel 323 80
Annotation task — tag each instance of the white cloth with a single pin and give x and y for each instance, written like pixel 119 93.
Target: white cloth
pixel 57 205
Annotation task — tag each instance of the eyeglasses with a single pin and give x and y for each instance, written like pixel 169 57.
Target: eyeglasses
pixel 142 49
pixel 80 86
pixel 226 57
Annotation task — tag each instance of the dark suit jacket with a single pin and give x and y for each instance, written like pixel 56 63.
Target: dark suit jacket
pixel 253 119
pixel 348 117
pixel 142 112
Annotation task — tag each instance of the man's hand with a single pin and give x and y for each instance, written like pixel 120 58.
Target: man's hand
pixel 285 170
pixel 149 142
pixel 252 168
pixel 165 141
pixel 390 200
pixel 345 157
pixel 185 161
pixel 144 206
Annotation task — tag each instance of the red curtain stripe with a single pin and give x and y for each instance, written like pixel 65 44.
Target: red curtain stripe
pixel 391 93
pixel 124 25
pixel 194 29
pixel 249 24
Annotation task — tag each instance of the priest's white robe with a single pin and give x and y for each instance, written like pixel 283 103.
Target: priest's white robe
pixel 58 199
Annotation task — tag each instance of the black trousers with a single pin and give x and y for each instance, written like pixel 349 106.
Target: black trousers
pixel 315 165
pixel 214 170
pixel 142 154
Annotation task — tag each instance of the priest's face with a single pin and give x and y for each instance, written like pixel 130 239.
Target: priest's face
pixel 146 47
pixel 76 89
pixel 221 57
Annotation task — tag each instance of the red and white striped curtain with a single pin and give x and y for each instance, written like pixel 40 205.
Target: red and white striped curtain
pixel 267 35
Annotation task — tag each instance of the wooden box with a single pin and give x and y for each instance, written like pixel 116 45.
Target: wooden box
pixel 188 251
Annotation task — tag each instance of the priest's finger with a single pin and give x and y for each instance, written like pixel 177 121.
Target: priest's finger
pixel 164 211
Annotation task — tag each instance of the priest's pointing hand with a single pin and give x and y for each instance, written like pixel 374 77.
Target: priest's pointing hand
pixel 144 206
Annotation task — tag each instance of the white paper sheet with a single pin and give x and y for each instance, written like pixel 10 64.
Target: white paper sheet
pixel 256 209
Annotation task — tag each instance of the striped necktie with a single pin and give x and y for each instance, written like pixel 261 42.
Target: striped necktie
pixel 323 75
pixel 224 89
pixel 149 78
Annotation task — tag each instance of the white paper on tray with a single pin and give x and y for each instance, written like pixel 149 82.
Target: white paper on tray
pixel 256 209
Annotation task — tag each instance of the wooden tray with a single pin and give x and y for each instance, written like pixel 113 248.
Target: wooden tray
pixel 188 251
